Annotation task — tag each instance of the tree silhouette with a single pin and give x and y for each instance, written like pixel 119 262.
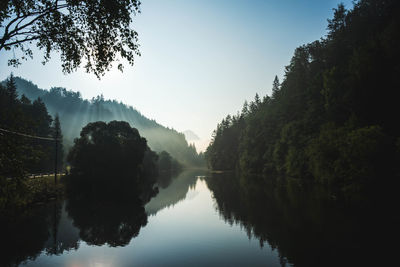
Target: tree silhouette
pixel 58 134
pixel 275 87
pixel 98 31
pixel 12 88
pixel 108 162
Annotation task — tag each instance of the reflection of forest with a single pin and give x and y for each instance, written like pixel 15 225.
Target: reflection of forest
pixel 66 237
pixel 308 229
pixel 24 236
pixel 172 190
pixel 58 227
pixel 104 222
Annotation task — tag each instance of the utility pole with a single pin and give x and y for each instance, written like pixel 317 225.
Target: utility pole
pixel 55 165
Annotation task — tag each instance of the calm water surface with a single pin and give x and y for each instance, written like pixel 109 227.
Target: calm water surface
pixel 184 228
pixel 202 219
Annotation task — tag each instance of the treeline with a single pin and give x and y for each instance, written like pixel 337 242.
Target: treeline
pixel 27 135
pixel 76 112
pixel 333 119
pixel 27 146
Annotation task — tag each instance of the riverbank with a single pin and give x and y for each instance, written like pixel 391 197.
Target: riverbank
pixel 26 192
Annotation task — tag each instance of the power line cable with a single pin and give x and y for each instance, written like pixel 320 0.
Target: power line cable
pixel 29 136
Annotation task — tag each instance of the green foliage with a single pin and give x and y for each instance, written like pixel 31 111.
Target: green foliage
pixel 110 160
pixel 332 120
pixel 107 147
pixel 57 134
pixel 167 163
pixel 97 31
pixel 20 193
pixel 349 158
pixel 225 142
pixel 20 154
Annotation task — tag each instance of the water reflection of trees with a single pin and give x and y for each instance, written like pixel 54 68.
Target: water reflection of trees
pixel 106 211
pixel 105 222
pixel 95 213
pixel 172 190
pixel 63 235
pixel 307 227
pixel 26 234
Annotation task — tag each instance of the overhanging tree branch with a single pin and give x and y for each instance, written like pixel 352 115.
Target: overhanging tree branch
pixel 22 41
pixel 97 30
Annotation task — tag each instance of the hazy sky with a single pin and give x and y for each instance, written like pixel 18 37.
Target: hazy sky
pixel 200 59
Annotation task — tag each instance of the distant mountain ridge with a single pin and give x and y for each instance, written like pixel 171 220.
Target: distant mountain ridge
pixel 75 112
pixel 190 135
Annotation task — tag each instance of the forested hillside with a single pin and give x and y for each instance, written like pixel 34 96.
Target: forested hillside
pixel 333 119
pixel 27 146
pixel 75 112
pixel 33 151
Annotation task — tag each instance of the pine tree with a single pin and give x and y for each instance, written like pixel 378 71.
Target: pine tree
pixel 245 109
pixel 58 135
pixel 24 100
pixel 275 87
pixel 253 106
pixel 12 88
pixel 257 100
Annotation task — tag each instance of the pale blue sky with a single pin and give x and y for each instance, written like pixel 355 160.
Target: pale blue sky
pixel 200 59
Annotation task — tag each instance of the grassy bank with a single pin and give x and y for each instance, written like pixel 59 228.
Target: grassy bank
pixel 27 191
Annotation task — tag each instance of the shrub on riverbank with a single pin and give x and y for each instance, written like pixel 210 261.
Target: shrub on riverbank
pixel 23 192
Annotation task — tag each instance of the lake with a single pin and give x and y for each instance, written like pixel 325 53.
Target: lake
pixel 196 219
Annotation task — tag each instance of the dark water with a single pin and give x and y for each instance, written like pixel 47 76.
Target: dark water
pixel 198 219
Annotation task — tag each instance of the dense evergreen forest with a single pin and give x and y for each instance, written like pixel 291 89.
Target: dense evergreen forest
pixel 76 112
pixel 333 118
pixel 27 145
pixel 19 153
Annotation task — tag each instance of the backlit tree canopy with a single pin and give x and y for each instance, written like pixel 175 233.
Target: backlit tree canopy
pixel 92 33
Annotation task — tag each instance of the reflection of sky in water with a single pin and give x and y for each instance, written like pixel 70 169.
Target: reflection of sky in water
pixel 189 233
pixel 191 194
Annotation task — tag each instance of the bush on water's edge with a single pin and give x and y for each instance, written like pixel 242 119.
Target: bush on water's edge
pixel 24 192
